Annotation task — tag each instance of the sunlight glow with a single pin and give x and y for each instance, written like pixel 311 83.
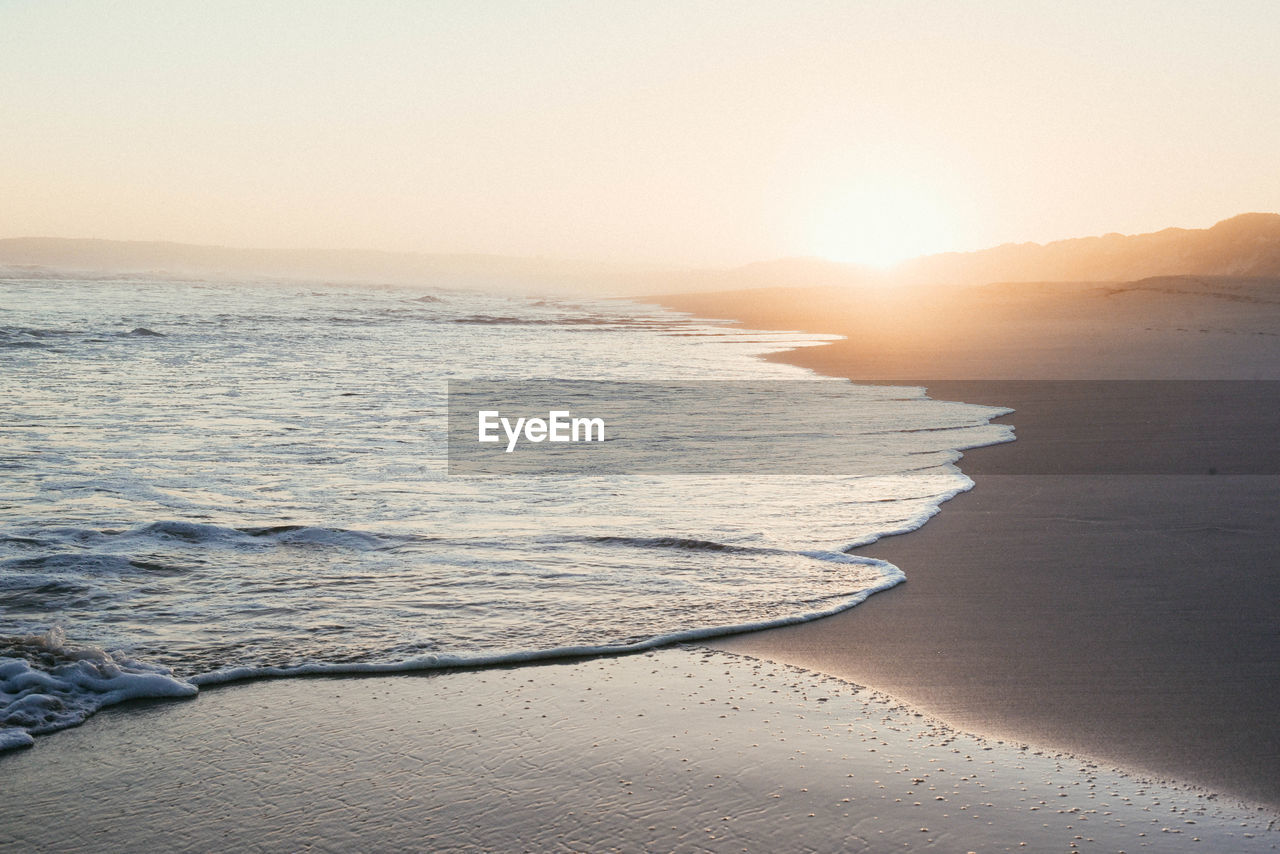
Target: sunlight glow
pixel 880 223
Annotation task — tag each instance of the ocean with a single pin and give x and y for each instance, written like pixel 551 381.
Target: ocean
pixel 207 481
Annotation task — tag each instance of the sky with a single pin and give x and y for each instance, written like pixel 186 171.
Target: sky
pixel 683 133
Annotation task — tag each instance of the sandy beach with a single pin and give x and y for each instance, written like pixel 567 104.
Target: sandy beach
pixel 710 428
pixel 1083 657
pixel 1099 590
pixel 676 750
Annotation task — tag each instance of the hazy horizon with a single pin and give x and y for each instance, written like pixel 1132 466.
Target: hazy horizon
pixel 706 136
pixel 604 262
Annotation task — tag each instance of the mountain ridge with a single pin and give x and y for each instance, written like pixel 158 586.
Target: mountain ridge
pixel 1245 245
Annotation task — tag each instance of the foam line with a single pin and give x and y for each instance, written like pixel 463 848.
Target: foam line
pixel 892 577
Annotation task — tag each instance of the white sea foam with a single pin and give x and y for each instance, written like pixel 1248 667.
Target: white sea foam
pixel 54 685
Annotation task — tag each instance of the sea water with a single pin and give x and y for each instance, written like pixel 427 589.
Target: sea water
pixel 203 481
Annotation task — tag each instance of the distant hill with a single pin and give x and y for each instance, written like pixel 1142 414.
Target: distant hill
pixel 1247 245
pixel 1243 246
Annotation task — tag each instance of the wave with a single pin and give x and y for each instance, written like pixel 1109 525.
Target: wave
pixel 675 543
pixel 616 322
pixel 30 542
pixel 47 684
pixel 34 337
pixel 199 533
pixel 27 337
pixel 34 332
pixel 86 562
pixel 890 577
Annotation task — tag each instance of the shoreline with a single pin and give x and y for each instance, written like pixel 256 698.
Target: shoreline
pixel 1144 636
pixel 719 747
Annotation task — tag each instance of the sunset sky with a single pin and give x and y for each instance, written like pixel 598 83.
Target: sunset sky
pixel 700 133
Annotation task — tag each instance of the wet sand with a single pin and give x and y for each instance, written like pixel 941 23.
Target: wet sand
pixel 1098 590
pixel 676 750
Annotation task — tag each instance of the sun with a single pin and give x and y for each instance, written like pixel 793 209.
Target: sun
pixel 879 223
